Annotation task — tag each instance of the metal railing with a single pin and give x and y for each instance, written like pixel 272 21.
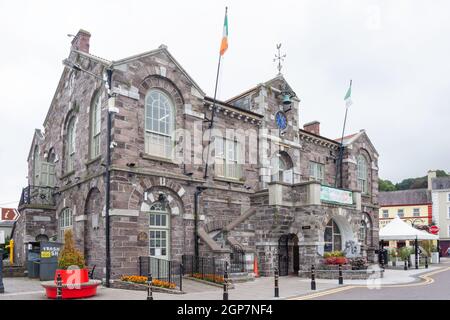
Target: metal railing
pixel 237 261
pixel 36 195
pixel 204 268
pixel 168 271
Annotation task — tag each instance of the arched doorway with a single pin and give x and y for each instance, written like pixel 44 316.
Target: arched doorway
pixel 288 255
pixel 94 243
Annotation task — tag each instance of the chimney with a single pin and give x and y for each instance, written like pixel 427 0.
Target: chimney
pixel 431 175
pixel 313 127
pixel 81 41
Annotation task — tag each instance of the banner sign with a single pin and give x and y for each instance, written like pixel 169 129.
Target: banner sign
pixel 329 194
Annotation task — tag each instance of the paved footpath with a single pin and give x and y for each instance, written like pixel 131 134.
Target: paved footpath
pixel 263 288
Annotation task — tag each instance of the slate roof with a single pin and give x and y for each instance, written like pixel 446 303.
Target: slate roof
pixel 404 197
pixel 440 183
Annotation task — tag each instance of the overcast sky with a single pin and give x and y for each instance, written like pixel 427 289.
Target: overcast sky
pixel 396 52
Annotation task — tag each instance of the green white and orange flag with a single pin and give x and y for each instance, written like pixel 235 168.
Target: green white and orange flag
pixel 224 44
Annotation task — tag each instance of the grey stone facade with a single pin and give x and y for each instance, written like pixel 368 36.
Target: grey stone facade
pixel 251 213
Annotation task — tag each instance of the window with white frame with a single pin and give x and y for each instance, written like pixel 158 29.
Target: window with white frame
pixel 401 213
pixel 70 145
pixel 159 124
pixel 316 171
pixel 416 212
pixel 362 172
pixel 65 223
pixel 159 233
pixel 448 197
pixel 448 212
pixel 281 168
pixel 95 118
pixel 332 237
pixel 385 213
pixel 226 163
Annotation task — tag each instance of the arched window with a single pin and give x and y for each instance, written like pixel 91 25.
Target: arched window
pixel 70 145
pixel 159 124
pixel 36 166
pixel 332 237
pixel 363 184
pixel 159 232
pixel 95 125
pixel 65 222
pixel 281 168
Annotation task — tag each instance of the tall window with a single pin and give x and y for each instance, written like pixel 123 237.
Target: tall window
pixel 226 163
pixel 281 168
pixel 448 197
pixel 385 213
pixel 416 212
pixel 363 232
pixel 401 213
pixel 332 237
pixel 36 166
pixel 96 118
pixel 363 174
pixel 316 171
pixel 65 222
pixel 159 231
pixel 159 124
pixel 70 145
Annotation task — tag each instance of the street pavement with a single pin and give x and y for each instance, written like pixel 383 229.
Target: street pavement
pixel 432 283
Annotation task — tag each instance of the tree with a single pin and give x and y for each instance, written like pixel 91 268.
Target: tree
pixel 386 185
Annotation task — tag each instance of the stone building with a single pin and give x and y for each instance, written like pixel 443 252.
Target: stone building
pixel 269 188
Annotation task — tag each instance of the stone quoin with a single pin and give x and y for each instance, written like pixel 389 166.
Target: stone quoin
pixel 271 191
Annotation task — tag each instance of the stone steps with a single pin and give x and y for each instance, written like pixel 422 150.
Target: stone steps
pixel 241 277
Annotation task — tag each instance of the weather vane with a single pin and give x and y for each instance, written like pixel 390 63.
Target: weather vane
pixel 280 58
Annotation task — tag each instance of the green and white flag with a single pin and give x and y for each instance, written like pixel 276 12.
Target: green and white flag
pixel 348 96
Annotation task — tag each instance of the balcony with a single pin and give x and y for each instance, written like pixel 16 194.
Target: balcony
pixel 36 196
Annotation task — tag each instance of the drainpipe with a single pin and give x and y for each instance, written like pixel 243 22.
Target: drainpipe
pixel 197 193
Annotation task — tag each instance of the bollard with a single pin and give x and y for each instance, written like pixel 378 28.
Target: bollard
pixel 406 266
pixel 277 290
pixel 382 262
pixel 225 282
pixel 58 287
pixel 341 278
pixel 149 287
pixel 2 288
pixel 426 262
pixel 313 278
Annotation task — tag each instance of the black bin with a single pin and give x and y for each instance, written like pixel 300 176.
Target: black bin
pixel 33 262
pixel 49 260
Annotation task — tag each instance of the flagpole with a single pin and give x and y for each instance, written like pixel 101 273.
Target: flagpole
pixel 341 150
pixel 213 109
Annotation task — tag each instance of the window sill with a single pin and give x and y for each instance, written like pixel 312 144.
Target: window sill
pixel 71 173
pixel 230 180
pixel 96 159
pixel 156 158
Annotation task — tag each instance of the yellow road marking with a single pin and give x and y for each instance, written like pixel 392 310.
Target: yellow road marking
pixel 426 277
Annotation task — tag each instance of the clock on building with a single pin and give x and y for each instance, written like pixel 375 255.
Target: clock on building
pixel 281 120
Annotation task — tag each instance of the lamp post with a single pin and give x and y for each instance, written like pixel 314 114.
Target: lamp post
pixel 112 109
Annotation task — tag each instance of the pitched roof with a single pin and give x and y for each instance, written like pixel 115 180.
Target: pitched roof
pixel 404 197
pixel 440 183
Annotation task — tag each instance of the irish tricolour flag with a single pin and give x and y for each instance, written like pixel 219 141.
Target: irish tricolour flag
pixel 348 96
pixel 224 44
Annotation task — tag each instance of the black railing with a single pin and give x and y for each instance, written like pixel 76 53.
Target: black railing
pixel 204 268
pixel 168 271
pixel 34 195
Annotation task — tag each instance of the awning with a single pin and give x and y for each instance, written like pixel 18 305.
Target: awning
pixel 397 229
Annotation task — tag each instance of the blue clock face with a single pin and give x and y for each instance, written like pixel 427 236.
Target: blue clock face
pixel 281 120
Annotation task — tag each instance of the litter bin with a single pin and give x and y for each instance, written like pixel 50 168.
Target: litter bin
pixel 48 260
pixel 33 262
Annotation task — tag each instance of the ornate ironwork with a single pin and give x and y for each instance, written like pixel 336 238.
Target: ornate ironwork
pixel 36 195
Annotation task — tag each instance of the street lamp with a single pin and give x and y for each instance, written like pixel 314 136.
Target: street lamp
pixel 112 109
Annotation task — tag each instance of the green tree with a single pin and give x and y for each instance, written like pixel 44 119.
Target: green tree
pixel 386 185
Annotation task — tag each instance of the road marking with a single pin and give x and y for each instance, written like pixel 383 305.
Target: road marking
pixel 426 277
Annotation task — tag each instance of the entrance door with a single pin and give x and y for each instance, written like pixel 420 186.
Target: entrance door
pixel 288 255
pixel 296 258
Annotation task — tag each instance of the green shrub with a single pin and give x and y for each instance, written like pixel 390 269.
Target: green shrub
pixel 69 255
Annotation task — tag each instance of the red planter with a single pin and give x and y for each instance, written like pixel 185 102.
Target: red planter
pixel 73 276
pixel 84 291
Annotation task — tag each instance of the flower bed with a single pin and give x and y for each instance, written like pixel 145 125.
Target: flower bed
pixel 143 280
pixel 209 277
